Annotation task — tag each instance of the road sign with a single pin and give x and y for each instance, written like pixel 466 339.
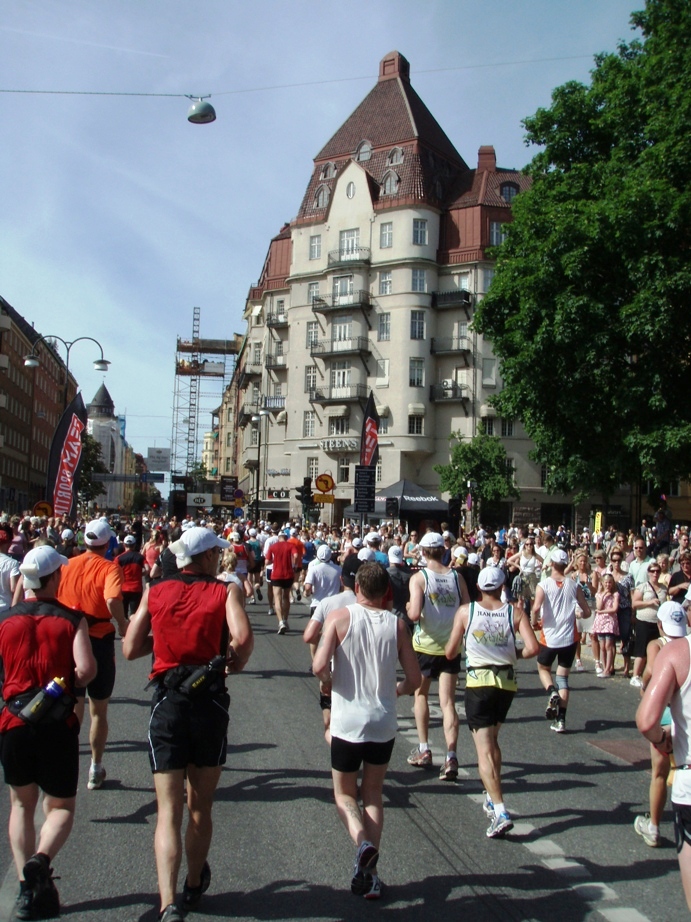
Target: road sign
pixel 228 487
pixel 239 502
pixel 238 512
pixel 325 483
pixel 323 498
pixel 152 477
pixel 43 508
pixel 365 475
pixel 239 494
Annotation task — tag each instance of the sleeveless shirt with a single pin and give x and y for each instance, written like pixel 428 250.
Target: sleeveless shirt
pixel 441 601
pixel 490 640
pixel 681 716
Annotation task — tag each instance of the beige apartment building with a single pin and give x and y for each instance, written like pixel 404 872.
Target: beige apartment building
pixel 372 287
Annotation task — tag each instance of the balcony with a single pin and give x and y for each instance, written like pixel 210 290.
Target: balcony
pixel 248 409
pixel 444 344
pixel 449 391
pixel 457 298
pixel 356 345
pixel 277 362
pixel 347 256
pixel 347 392
pixel 277 320
pixel 251 370
pixel 325 304
pixel 274 403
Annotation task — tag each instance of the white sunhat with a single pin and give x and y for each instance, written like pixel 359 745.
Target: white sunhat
pixel 195 541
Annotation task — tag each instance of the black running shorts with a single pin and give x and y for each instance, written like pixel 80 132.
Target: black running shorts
pixel 682 825
pixel 487 706
pixel 645 631
pixel 348 757
pixel 47 756
pixel 432 666
pixel 282 583
pixel 101 687
pixel 187 731
pixel 563 655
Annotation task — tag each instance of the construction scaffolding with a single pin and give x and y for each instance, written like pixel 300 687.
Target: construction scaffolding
pixel 203 369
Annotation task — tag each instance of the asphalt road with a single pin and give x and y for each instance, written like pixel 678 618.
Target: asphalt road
pixel 279 851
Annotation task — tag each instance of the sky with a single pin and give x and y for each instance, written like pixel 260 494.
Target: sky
pixel 118 216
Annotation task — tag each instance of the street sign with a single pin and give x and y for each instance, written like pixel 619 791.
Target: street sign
pixel 239 494
pixel 324 483
pixel 151 477
pixel 323 498
pixel 239 502
pixel 43 507
pixel 228 487
pixel 238 512
pixel 200 500
pixel 365 475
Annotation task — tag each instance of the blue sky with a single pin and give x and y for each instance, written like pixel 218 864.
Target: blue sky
pixel 118 216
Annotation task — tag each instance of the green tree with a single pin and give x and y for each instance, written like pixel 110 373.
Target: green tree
pixel 482 460
pixel 92 463
pixel 588 312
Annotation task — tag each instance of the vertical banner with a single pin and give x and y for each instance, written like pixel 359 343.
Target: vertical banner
pixel 369 441
pixel 65 461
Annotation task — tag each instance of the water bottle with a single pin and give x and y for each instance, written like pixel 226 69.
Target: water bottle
pixel 43 701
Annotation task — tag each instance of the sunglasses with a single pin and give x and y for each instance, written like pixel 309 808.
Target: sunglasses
pixel 655 570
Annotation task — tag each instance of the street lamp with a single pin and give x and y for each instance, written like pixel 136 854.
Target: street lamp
pixel 257 419
pixel 33 361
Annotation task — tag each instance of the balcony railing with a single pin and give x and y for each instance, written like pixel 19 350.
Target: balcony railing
pixel 274 403
pixel 349 255
pixel 442 344
pixel 323 304
pixel 276 362
pixel 356 344
pixel 458 298
pixel 277 320
pixel 346 392
pixel 252 368
pixel 248 409
pixel 447 391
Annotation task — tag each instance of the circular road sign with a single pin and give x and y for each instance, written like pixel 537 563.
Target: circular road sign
pixel 325 483
pixel 43 508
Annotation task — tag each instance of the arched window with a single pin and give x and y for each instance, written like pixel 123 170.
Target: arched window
pixel 395 156
pixel 328 171
pixel 508 192
pixel 321 199
pixel 390 184
pixel 364 151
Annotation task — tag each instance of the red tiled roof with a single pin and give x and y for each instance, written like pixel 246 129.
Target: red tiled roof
pixel 484 188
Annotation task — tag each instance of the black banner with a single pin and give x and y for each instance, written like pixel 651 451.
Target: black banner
pixel 65 461
pixel 369 440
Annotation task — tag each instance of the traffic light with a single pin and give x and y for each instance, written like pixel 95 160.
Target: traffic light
pixel 304 493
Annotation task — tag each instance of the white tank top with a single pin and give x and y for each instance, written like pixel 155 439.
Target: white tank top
pixel 363 693
pixel 490 639
pixel 681 718
pixel 559 612
pixel 442 598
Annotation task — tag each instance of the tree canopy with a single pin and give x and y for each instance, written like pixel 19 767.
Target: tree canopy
pixel 589 311
pixel 92 463
pixel 482 460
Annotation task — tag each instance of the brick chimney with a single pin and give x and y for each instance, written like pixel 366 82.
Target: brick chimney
pixel 486 159
pixel 394 65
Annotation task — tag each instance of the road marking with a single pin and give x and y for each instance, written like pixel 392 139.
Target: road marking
pixel 566 866
pixel 623 915
pixel 546 848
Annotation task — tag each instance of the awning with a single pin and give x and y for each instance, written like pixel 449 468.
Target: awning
pixel 338 410
pixel 417 409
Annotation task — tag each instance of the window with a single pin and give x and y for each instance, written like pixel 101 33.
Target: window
pixel 378 474
pixel 462 328
pixel 383 425
pixel 343 470
pixel 257 354
pixel 321 200
pixel 510 470
pixel 390 184
pixel 343 289
pixel 462 280
pixel 487 276
pixel 312 292
pixel 339 425
pixel 489 372
pixel 419 232
pixel 509 192
pixel 395 156
pixel 384 332
pixel 340 379
pixel 228 465
pixel 415 425
pixel 350 190
pixel 506 428
pixel 488 425
pixel 386 235
pixel 254 436
pixel 279 347
pixel 419 282
pixel 312 328
pixel 229 415
pixel 382 373
pixel 310 378
pixel 229 439
pixel 278 389
pixel 417 324
pixel 308 424
pixel 349 243
pixel 313 468
pixel 364 151
pixel 416 372
pixel 281 307
pixel 316 246
pixel 497 234
pixel 385 283
pixel 328 171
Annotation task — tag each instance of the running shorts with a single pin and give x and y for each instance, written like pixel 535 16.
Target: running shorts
pixel 682 825
pixel 348 757
pixel 563 655
pixel 432 666
pixel 187 731
pixel 101 687
pixel 487 706
pixel 645 632
pixel 47 755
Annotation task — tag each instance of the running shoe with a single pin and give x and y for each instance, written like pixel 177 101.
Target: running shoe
pixel 488 805
pixel 449 770
pixel 365 859
pixel 420 759
pixel 38 879
pixel 636 681
pixel 96 778
pixel 25 900
pixel 559 725
pixel 598 667
pixel 171 913
pixel 373 887
pixel 499 826
pixel 282 627
pixel 642 826
pixel 579 666
pixel 298 594
pixel 192 895
pixel 604 675
pixel 259 595
pixel 253 601
pixel 552 708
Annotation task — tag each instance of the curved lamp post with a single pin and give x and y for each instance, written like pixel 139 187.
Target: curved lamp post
pixel 32 360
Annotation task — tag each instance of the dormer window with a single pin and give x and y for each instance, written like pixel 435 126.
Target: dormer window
pixel 390 184
pixel 321 199
pixel 395 156
pixel 508 192
pixel 328 171
pixel 363 152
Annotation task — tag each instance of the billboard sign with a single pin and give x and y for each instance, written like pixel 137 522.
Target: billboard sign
pixel 158 459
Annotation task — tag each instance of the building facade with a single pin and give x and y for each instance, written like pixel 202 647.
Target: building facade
pixel 117 455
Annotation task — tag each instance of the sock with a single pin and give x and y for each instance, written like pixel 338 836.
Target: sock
pixel 96 766
pixel 654 830
pixel 562 713
pixel 423 747
pixel 451 754
pixel 499 809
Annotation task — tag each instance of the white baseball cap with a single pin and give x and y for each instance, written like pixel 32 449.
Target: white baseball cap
pixel 560 557
pixel 395 554
pixel 130 540
pixel 66 534
pixel 324 552
pixel 432 539
pixel 366 553
pixel 38 562
pixel 473 560
pixel 490 578
pixel 195 541
pixel 672 617
pixel 98 533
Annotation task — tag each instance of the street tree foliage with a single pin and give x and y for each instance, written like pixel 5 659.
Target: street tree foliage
pixel 483 460
pixel 92 463
pixel 590 308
